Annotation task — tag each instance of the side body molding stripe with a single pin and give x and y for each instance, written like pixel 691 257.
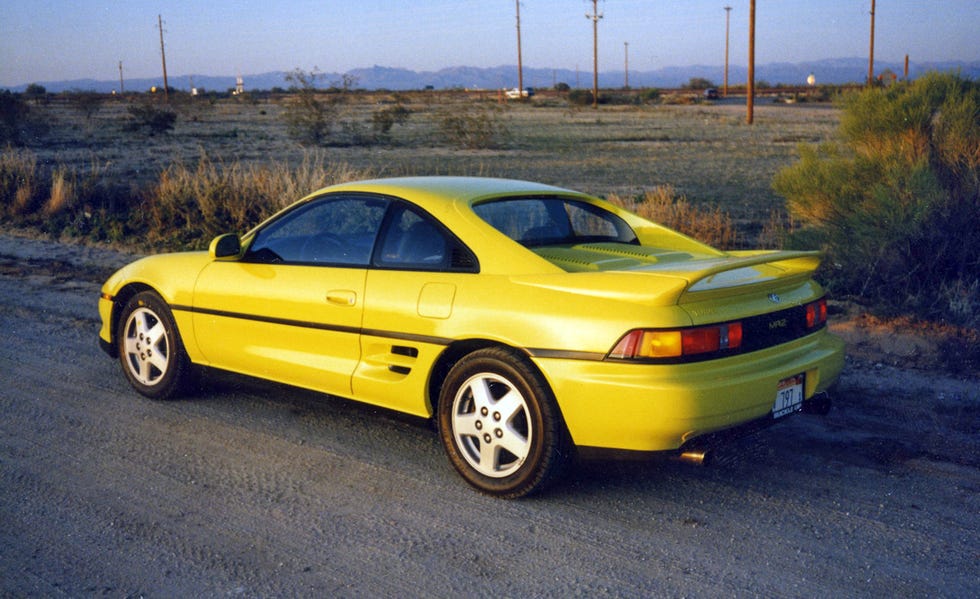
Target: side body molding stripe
pixel 445 341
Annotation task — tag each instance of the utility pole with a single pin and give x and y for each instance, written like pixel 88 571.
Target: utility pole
pixel 626 68
pixel 750 91
pixel 121 90
pixel 163 55
pixel 595 16
pixel 520 67
pixel 728 14
pixel 871 51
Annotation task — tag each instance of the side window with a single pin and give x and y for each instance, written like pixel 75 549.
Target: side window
pixel 413 241
pixel 535 222
pixel 590 223
pixel 528 221
pixel 333 230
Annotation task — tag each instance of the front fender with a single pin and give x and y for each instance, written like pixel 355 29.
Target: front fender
pixel 171 276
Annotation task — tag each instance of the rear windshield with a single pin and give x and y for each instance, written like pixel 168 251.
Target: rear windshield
pixel 540 221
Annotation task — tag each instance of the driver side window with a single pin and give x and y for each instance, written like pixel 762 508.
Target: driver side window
pixel 333 230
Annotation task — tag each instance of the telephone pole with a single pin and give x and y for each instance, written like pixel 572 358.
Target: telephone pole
pixel 750 91
pixel 728 15
pixel 871 51
pixel 520 66
pixel 595 16
pixel 626 68
pixel 163 55
pixel 121 90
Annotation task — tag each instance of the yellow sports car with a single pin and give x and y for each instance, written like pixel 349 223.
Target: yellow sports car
pixel 531 322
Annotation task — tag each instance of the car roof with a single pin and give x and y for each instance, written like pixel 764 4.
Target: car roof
pixel 450 200
pixel 447 189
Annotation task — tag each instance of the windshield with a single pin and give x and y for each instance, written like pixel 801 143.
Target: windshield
pixel 539 221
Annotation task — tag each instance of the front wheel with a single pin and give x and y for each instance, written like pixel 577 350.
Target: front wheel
pixel 500 425
pixel 150 350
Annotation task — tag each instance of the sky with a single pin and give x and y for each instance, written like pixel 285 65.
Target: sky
pixel 55 40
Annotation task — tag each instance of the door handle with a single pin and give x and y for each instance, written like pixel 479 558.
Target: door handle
pixel 342 297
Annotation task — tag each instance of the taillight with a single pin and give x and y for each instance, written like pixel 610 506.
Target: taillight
pixel 677 343
pixel 816 313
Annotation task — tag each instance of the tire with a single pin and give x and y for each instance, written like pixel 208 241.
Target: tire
pixel 500 425
pixel 150 350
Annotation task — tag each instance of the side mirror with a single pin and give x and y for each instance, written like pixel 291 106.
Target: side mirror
pixel 225 246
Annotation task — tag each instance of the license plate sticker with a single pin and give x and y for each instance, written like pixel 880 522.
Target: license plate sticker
pixel 789 396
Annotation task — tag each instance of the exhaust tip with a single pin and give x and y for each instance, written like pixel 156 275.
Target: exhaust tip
pixel 819 404
pixel 696 457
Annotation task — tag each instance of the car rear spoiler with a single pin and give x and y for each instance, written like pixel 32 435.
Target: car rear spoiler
pixel 737 268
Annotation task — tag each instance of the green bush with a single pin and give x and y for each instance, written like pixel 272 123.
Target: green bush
pixel 895 200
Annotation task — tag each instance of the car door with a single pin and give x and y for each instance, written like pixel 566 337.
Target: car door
pixel 409 297
pixel 290 308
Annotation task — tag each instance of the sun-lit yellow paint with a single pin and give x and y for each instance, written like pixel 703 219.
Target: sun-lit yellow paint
pixel 375 335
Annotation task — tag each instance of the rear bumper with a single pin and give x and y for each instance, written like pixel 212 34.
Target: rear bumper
pixel 653 408
pixel 697 449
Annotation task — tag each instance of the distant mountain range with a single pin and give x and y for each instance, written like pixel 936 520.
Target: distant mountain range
pixel 829 71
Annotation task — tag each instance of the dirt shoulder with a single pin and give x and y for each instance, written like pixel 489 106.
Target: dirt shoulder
pixel 250 489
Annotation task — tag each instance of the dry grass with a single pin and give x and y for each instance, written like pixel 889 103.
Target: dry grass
pixel 663 205
pixel 705 153
pixel 18 184
pixel 190 203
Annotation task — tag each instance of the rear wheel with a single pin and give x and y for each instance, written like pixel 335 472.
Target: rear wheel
pixel 150 350
pixel 500 425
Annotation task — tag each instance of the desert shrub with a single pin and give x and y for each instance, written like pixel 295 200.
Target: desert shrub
pixel 72 202
pixel 189 205
pixel 776 230
pixel 148 118
pixel 650 95
pixel 384 119
pixel 896 199
pixel 580 97
pixel 472 127
pixel 309 116
pixel 662 205
pixel 700 83
pixel 19 191
pixel 86 103
pixel 80 204
pixel 36 92
pixel 13 110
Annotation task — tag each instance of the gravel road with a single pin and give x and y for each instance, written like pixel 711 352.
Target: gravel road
pixel 257 490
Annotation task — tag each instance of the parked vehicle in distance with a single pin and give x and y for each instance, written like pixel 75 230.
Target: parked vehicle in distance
pixel 711 94
pixel 531 322
pixel 515 93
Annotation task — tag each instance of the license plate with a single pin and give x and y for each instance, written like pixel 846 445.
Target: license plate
pixel 789 396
